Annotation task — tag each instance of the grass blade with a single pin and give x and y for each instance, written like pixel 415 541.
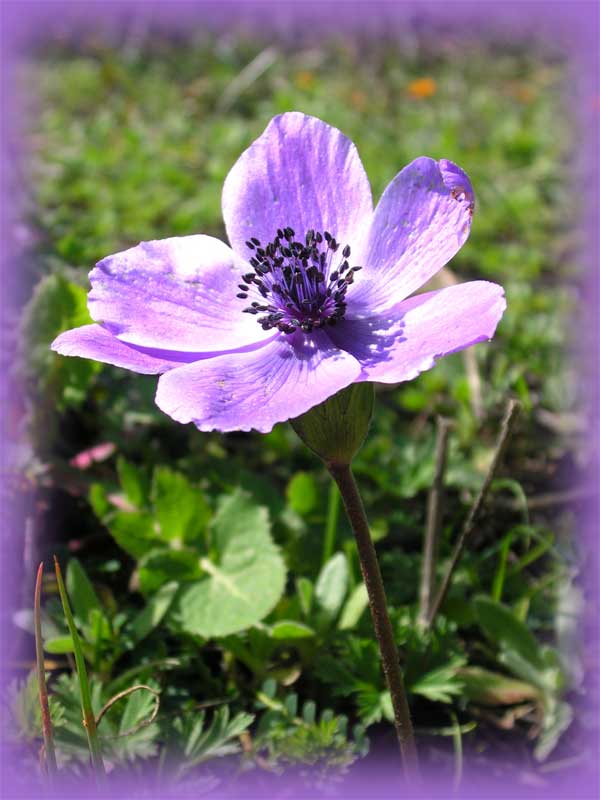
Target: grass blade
pixel 50 755
pixel 89 719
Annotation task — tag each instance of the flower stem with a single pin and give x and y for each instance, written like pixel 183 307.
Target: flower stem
pixel 342 475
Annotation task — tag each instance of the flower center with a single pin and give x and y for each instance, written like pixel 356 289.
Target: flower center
pixel 296 280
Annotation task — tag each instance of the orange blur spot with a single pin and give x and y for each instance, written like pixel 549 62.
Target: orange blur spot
pixel 304 79
pixel 422 88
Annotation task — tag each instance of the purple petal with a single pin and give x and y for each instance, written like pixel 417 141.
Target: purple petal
pixel 245 391
pixel 96 342
pixel 301 173
pixel 420 223
pixel 175 294
pixel 398 345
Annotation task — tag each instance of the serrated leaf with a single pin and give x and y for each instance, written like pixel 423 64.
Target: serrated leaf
pixel 441 684
pixel 332 584
pixel 180 508
pixel 245 575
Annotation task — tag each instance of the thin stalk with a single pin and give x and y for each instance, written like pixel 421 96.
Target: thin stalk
pixel 50 755
pixel 434 521
pixel 331 524
pixel 342 475
pixel 89 719
pixel 508 422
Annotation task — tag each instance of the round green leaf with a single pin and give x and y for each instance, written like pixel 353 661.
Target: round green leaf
pixel 244 577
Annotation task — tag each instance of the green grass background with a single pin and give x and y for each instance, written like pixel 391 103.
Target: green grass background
pixel 132 141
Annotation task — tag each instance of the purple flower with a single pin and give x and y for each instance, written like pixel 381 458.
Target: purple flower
pixel 313 295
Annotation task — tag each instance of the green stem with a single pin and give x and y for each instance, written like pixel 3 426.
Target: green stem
pixel 342 475
pixel 41 676
pixel 89 720
pixel 333 514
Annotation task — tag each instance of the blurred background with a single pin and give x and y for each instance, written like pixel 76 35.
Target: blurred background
pixel 130 138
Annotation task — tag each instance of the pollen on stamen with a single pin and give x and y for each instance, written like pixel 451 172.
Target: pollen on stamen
pixel 302 283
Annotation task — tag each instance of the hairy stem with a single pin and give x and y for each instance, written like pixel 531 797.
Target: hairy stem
pixel 342 475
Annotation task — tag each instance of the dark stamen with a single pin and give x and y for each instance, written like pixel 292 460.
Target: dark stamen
pixel 302 281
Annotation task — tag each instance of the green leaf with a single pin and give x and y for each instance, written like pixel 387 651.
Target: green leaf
pixel 134 532
pixel 354 608
pixel 489 688
pixel 55 306
pixel 98 499
pixel 506 631
pixel 557 718
pixel 59 645
pixel 302 493
pixel 245 575
pixel 133 482
pixel 441 684
pixel 332 584
pixel 309 711
pixel 198 742
pixel 83 596
pixel 288 629
pixel 153 613
pixel 180 508
pixel 162 565
pixel 304 587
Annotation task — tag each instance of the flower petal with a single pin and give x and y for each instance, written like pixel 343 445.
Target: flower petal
pixel 245 391
pixel 420 223
pixel 95 341
pixel 398 345
pixel 177 294
pixel 301 173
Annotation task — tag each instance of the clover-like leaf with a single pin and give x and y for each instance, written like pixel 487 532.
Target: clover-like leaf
pixel 244 576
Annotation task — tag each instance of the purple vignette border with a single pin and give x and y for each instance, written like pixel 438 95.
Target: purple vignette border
pixel 574 27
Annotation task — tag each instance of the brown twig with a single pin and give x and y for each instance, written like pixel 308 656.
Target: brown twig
pixel 434 519
pixel 508 422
